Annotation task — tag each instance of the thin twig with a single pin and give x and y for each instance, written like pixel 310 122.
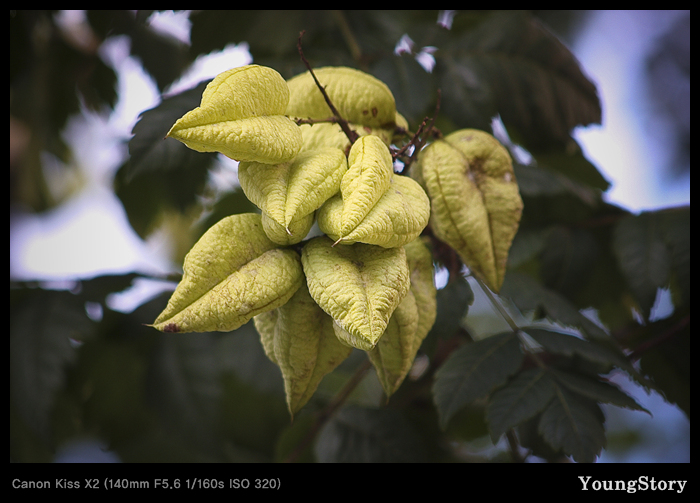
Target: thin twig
pixel 300 121
pixel 352 135
pixel 666 335
pixel 514 446
pixel 428 133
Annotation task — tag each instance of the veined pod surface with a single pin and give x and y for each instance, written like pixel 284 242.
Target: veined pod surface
pixel 393 355
pixel 397 218
pixel 367 179
pixel 395 352
pixel 292 190
pixel 420 263
pixel 242 115
pixel 476 204
pixel 232 273
pixel 327 134
pixel 359 286
pixel 358 96
pixel 299 338
pixel 294 233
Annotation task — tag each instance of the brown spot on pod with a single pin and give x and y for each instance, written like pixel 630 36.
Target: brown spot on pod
pixel 171 328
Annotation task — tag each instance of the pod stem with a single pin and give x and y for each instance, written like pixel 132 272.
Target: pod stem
pixel 352 135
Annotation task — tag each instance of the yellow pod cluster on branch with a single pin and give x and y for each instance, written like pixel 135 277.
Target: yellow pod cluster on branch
pixel 368 282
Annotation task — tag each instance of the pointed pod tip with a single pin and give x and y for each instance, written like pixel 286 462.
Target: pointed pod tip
pixel 338 241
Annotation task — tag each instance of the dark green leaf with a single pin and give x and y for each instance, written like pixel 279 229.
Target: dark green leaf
pixel 595 389
pixel 531 439
pixel 43 326
pixel 527 244
pixel 411 85
pixel 567 259
pixel 526 395
pixel 537 181
pixel 161 174
pixel 512 66
pixel 97 288
pixel 668 364
pixel 643 256
pixel 186 380
pixel 269 34
pixel 361 435
pixel 530 295
pixel 574 426
pixel 675 230
pixel 473 371
pixel 572 164
pixel 453 303
pixel 163 57
pixel 570 345
pixel 149 150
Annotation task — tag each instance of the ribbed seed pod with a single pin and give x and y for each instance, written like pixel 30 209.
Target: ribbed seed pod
pixel 234 272
pixel 476 205
pixel 359 97
pixel 242 115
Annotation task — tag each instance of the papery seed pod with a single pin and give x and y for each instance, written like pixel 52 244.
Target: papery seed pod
pixel 367 179
pixel 420 263
pixel 242 115
pixel 329 134
pixel 294 233
pixel 393 355
pixel 231 274
pixel 290 191
pixel 299 338
pixel 359 97
pixel 395 352
pixel 476 205
pixel 397 218
pixel 359 286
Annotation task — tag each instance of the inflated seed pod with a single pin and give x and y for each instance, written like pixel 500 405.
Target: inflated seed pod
pixel 359 97
pixel 290 191
pixel 370 169
pixel 475 201
pixel 293 233
pixel 359 286
pixel 396 350
pixel 234 272
pixel 374 206
pixel 299 338
pixel 242 115
pixel 397 218
pixel 394 353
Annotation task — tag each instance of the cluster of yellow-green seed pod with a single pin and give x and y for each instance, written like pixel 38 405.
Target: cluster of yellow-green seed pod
pixel 367 283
